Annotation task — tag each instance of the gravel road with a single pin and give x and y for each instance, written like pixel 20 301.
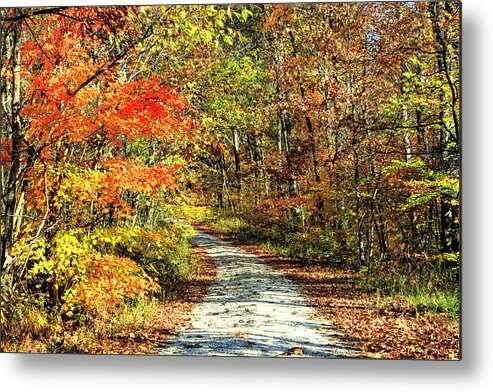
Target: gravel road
pixel 253 310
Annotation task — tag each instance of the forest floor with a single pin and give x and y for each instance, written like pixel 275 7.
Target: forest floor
pixel 253 310
pixel 385 327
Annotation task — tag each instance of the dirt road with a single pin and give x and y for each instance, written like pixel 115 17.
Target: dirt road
pixel 253 310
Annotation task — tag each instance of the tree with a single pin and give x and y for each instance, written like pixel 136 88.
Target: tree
pixel 77 122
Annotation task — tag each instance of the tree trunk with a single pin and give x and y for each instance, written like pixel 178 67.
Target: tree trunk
pixel 359 229
pixel 2 116
pixel 12 183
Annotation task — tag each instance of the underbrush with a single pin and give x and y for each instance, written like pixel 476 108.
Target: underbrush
pixel 423 296
pixel 312 245
pixel 31 327
pixel 436 302
pixel 163 255
pixel 427 284
pixel 81 290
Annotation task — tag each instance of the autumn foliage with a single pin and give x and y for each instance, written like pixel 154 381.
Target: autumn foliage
pixel 329 133
pixel 74 166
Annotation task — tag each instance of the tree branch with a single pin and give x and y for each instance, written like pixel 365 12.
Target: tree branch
pixel 44 11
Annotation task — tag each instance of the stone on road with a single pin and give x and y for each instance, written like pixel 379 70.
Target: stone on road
pixel 253 310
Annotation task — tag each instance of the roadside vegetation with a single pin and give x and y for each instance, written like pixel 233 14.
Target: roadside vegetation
pixel 87 293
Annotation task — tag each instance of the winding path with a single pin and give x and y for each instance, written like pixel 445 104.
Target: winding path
pixel 253 310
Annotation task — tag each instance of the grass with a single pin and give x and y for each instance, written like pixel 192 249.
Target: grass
pixel 306 247
pixel 36 329
pixel 421 299
pixel 436 302
pixel 132 317
pixel 433 293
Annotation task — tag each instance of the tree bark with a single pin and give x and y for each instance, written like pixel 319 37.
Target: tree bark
pixel 12 183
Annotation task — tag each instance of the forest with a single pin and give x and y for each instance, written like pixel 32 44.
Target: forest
pixel 324 134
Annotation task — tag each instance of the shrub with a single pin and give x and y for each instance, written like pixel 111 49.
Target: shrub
pixel 27 325
pixel 108 281
pixel 163 254
pixel 312 245
pixel 78 278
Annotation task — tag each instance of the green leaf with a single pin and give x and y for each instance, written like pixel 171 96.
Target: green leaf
pixel 228 40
